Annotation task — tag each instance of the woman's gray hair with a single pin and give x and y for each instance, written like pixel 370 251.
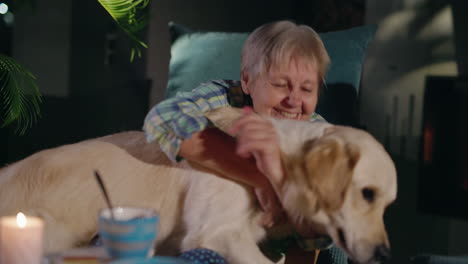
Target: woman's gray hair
pixel 279 42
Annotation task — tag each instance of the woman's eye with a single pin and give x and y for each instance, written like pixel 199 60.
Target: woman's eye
pixel 307 90
pixel 281 85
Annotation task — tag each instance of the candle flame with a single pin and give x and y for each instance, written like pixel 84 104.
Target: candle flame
pixel 21 220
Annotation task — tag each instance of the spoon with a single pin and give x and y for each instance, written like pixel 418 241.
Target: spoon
pixel 104 192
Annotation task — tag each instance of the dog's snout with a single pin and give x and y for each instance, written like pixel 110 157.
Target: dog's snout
pixel 382 253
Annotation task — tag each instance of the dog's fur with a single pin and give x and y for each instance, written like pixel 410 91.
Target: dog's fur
pixel 339 181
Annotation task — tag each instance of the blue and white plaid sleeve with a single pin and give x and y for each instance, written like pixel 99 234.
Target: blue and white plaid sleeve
pixel 317 117
pixel 175 119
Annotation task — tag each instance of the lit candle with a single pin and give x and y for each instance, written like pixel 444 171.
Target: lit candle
pixel 21 239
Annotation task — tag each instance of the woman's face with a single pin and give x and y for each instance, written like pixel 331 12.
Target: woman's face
pixel 288 91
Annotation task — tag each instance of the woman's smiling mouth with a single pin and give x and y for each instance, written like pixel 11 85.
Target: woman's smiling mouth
pixel 285 114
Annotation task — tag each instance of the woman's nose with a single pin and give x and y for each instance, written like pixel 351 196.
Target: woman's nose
pixel 294 99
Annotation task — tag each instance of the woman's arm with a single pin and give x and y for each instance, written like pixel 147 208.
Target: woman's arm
pixel 213 149
pixel 181 129
pixel 176 119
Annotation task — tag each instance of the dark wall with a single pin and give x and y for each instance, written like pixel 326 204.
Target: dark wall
pixel 106 92
pixel 460 21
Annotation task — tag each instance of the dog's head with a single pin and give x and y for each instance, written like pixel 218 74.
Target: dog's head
pixel 340 185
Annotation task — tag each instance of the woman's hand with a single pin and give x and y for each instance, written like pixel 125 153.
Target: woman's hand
pixel 257 138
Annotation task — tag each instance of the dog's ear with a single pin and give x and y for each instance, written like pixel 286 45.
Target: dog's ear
pixel 328 165
pixel 224 117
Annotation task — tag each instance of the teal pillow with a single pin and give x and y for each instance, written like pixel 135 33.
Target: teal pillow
pixel 197 57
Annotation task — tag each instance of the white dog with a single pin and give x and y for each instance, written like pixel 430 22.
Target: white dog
pixel 339 182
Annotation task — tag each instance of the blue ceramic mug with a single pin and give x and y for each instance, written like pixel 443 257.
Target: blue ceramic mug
pixel 132 233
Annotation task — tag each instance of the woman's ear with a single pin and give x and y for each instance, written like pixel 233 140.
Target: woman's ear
pixel 245 82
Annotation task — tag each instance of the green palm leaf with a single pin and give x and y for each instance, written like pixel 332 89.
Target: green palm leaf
pixel 19 95
pixel 132 16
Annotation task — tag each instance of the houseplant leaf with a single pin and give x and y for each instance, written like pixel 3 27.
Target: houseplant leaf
pixel 132 16
pixel 19 95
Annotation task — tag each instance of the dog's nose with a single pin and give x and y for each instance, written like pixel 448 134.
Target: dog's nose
pixel 382 253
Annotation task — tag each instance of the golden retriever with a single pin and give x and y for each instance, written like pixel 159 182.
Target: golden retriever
pixel 339 182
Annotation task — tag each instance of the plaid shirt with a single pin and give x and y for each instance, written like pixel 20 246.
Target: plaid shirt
pixel 177 118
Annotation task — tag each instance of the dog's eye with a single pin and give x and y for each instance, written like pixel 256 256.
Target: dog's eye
pixel 368 194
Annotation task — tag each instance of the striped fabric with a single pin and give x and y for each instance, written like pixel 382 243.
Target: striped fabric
pixel 131 234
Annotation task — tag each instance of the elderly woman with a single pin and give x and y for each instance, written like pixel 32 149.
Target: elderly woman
pixel 282 70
